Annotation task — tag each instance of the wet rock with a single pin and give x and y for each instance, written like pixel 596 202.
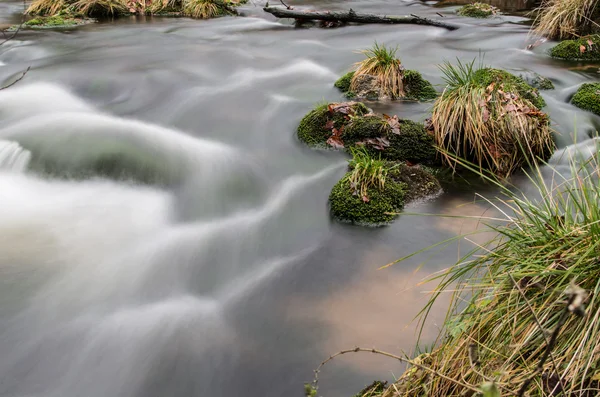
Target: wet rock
pixel 585 48
pixel 587 97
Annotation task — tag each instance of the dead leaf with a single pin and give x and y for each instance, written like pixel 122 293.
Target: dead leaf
pixel 485 114
pixel 365 199
pixel 394 123
pixel 582 49
pixel 590 42
pixel 329 125
pixel 335 142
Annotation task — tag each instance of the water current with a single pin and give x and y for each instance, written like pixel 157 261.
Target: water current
pixel 163 232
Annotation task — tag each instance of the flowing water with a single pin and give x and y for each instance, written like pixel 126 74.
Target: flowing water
pixel 162 231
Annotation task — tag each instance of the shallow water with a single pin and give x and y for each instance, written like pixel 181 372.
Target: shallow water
pixel 162 231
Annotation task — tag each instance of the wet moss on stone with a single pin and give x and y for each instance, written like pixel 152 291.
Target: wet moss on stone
pixel 313 127
pixel 57 21
pixel 477 10
pixel 412 143
pixel 587 97
pixel 486 76
pixel 343 83
pixel 541 83
pixel 585 48
pixel 379 210
pixel 417 88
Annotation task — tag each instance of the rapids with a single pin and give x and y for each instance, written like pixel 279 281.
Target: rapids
pixel 163 233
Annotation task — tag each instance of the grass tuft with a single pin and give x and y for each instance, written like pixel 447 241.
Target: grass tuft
pixel 491 118
pixel 206 9
pixel 525 307
pixel 382 63
pixel 566 19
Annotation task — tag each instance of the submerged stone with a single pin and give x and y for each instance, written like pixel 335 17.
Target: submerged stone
pixel 586 48
pixel 538 81
pixel 587 97
pixel 478 10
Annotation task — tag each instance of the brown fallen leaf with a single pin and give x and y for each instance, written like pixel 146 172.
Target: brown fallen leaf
pixel 590 42
pixel 365 199
pixel 582 49
pixel 329 125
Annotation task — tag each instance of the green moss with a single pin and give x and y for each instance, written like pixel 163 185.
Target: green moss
pixel 313 127
pixel 587 97
pixel 571 49
pixel 416 87
pixel 343 83
pixel 366 127
pixel 379 210
pixel 411 143
pixel 477 10
pixel 486 76
pixel 58 20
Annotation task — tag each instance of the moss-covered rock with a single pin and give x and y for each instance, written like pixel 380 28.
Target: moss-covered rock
pixel 585 48
pixel 540 82
pixel 343 83
pixel 57 21
pixel 316 127
pixel 477 10
pixel 416 87
pixel 380 209
pixel 486 76
pixel 420 182
pixel 587 97
pixel 393 139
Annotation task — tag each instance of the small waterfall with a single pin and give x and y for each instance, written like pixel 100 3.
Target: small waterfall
pixel 13 157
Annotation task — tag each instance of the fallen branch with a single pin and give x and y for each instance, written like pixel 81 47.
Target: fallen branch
pixel 351 16
pixel 315 383
pixel 17 80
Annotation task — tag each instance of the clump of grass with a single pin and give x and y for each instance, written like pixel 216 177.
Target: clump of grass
pixel 367 172
pixel 567 19
pixel 100 7
pixel 382 63
pixel 525 307
pixel 478 10
pixel 45 7
pixel 206 9
pixel 490 118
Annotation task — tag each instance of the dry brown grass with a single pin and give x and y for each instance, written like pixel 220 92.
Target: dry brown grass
pixel 382 63
pixel 566 19
pixel 489 124
pixel 45 7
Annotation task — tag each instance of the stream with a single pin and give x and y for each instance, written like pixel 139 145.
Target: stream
pixel 163 232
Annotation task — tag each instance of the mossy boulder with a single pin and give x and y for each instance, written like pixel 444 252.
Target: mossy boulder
pixel 391 138
pixel 57 21
pixel 587 97
pixel 586 48
pixel 347 206
pixel 318 125
pixel 343 84
pixel 478 10
pixel 416 88
pixel 486 76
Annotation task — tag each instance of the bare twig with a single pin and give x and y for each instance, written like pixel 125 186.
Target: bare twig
pixel 17 80
pixel 390 355
pixel 285 5
pixel 13 35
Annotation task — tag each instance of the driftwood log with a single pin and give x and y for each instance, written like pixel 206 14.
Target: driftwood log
pixel 351 16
